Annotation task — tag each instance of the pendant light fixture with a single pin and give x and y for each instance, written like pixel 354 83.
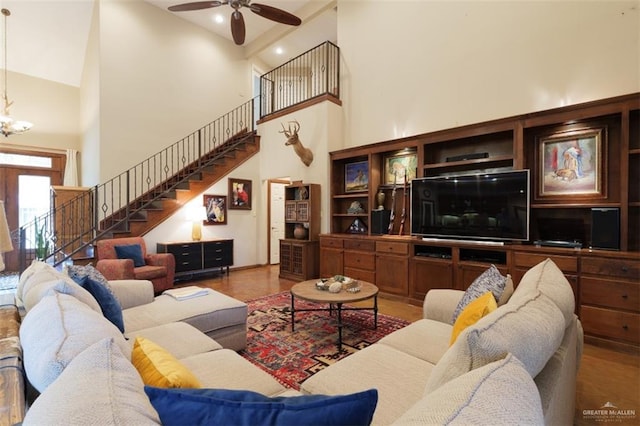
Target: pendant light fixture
pixel 9 126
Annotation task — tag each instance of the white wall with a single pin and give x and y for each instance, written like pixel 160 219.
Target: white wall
pixel 161 78
pixel 242 226
pixel 444 64
pixel 51 107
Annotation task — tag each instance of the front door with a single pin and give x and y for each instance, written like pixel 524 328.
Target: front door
pixel 25 186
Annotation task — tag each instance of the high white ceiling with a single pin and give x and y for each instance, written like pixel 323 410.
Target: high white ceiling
pixel 48 38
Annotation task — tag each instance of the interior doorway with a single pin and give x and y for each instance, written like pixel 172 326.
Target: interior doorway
pixel 276 217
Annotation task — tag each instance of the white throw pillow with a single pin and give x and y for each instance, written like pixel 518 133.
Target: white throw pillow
pixel 60 285
pixel 99 386
pixel 500 393
pixel 56 330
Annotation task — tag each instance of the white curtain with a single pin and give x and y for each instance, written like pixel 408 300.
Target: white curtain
pixel 5 235
pixel 71 170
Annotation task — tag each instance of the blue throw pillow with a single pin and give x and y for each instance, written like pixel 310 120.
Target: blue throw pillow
pixel 131 251
pixel 236 407
pixel 94 282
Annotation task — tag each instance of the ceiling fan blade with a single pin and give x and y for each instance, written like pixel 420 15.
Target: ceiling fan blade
pixel 237 27
pixel 184 7
pixel 275 14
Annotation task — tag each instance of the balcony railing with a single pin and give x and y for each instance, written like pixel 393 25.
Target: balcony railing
pixel 314 73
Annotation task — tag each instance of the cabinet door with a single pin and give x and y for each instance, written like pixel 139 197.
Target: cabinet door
pixel 467 273
pixel 285 256
pixel 391 274
pixel 427 274
pixel 331 262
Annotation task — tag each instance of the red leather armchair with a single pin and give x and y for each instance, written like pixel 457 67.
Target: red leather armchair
pixel 158 268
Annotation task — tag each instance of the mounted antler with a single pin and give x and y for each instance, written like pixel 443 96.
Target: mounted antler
pixel 305 154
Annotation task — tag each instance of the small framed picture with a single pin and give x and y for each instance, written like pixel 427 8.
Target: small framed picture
pixel 397 168
pixel 571 164
pixel 216 207
pixel 240 194
pixel 356 177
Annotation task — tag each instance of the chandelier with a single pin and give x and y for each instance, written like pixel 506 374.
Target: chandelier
pixel 9 126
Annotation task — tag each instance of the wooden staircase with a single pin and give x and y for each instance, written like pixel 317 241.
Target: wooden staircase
pixel 148 211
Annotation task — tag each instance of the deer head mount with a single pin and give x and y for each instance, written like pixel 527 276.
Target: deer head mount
pixel 291 133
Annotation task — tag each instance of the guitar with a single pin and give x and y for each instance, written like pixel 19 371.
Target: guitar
pixel 392 217
pixel 403 216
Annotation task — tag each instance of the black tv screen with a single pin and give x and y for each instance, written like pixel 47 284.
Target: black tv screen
pixel 485 206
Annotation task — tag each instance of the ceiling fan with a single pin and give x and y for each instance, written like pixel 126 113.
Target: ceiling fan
pixel 237 21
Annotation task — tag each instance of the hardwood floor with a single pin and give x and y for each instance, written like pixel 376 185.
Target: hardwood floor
pixel 605 375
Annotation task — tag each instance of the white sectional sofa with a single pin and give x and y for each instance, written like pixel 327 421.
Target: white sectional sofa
pixel 521 358
pixel 516 365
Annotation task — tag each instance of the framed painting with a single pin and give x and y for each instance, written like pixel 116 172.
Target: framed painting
pixel 216 208
pixel 571 164
pixel 240 194
pixel 356 177
pixel 397 168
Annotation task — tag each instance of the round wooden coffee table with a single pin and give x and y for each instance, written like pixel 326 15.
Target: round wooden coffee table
pixel 308 291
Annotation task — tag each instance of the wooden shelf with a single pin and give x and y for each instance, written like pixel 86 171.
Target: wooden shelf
pixel 498 160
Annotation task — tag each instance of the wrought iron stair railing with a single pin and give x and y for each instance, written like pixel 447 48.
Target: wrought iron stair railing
pixel 70 231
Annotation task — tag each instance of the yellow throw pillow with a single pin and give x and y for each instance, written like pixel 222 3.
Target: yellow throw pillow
pixel 472 313
pixel 159 368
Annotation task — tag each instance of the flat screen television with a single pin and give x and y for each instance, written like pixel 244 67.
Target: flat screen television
pixel 484 206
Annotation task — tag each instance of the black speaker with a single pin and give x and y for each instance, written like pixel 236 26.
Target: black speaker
pixel 380 221
pixel 605 228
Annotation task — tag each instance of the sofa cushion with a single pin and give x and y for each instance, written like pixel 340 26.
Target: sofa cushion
pixel 231 371
pixel 61 284
pixel 472 313
pixel 157 367
pixel 131 251
pixel 548 279
pixel 398 377
pixel 490 280
pixel 530 329
pixel 178 338
pixel 475 398
pixel 149 272
pixel 25 277
pixel 425 339
pixel 239 407
pixel 95 283
pixel 99 387
pixel 56 330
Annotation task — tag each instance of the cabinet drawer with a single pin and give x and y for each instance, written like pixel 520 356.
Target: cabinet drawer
pixel 363 245
pixel 180 250
pixel 359 274
pixel 613 267
pixel 611 324
pixel 360 260
pixel 392 247
pixel 612 294
pixel 528 260
pixel 188 262
pixel 331 242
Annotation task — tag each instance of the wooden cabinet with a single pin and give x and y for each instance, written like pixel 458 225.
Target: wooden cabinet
pixel 197 257
pixel 610 299
pixel 298 259
pixel 300 248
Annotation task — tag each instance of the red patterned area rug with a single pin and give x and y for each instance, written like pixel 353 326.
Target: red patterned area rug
pixel 293 357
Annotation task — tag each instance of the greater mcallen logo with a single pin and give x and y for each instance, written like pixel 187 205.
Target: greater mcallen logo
pixel 609 412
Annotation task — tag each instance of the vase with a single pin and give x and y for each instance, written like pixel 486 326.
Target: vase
pixel 380 197
pixel 300 232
